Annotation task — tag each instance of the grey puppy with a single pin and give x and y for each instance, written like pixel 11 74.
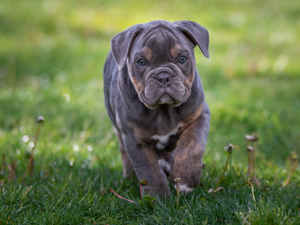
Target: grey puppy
pixel 155 100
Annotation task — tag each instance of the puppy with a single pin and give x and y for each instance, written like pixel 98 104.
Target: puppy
pixel 155 100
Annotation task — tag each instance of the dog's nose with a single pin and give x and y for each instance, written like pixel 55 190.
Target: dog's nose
pixel 164 79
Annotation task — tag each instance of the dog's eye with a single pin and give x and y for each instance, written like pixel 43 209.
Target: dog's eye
pixel 141 62
pixel 182 59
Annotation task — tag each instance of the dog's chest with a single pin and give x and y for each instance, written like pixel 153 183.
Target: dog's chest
pixel 167 141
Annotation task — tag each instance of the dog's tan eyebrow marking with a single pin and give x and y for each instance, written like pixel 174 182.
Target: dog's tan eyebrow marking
pixel 175 50
pixel 148 53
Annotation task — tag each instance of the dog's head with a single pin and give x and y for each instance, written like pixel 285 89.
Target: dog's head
pixel 160 59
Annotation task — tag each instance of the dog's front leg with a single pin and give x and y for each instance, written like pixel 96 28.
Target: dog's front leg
pixel 145 163
pixel 187 161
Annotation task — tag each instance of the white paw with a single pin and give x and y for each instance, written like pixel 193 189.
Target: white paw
pixel 183 188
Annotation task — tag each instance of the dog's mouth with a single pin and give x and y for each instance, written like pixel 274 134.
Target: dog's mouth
pixel 171 92
pixel 163 96
pixel 166 99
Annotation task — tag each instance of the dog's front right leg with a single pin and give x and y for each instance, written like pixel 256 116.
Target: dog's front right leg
pixel 145 163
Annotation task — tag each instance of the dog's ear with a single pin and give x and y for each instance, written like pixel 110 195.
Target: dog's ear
pixel 197 33
pixel 122 42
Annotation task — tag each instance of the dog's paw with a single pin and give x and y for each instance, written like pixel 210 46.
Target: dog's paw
pixel 183 188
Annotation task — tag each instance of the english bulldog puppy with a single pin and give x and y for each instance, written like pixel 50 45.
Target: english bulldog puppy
pixel 155 101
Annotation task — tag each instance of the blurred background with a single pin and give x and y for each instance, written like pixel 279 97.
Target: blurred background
pixel 51 61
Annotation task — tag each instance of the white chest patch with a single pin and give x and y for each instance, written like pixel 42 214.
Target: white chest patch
pixel 163 140
pixel 164 165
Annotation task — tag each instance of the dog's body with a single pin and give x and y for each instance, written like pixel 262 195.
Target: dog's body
pixel 155 100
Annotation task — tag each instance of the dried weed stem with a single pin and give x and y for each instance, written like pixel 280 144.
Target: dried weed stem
pixel 295 162
pixel 30 166
pixel 228 148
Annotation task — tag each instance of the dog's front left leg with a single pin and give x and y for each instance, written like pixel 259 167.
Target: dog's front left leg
pixel 145 163
pixel 187 161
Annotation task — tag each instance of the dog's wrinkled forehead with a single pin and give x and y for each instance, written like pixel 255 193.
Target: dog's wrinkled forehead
pixel 157 41
pixel 160 36
pixel 160 41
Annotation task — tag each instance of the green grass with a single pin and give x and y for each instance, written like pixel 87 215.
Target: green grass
pixel 51 61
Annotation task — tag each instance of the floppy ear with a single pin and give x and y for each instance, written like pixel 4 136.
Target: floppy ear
pixel 197 33
pixel 122 42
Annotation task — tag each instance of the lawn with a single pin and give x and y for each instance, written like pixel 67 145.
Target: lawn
pixel 51 65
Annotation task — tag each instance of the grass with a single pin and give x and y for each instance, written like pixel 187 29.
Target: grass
pixel 51 61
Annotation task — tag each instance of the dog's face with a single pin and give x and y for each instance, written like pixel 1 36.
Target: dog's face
pixel 161 67
pixel 160 61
